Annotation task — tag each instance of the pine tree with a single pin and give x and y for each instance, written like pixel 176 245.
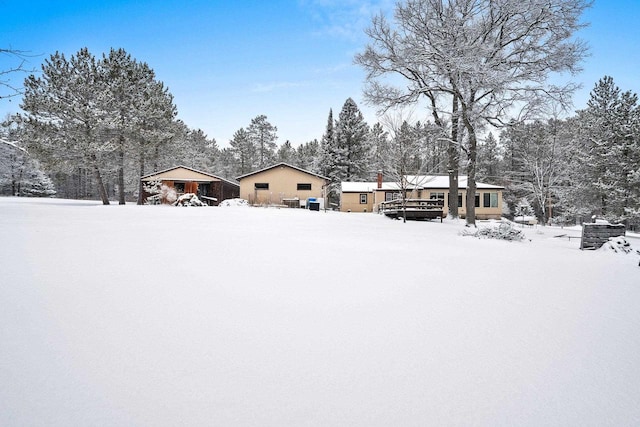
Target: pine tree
pixel 489 156
pixel 352 150
pixel 156 127
pixel 244 150
pixel 610 153
pixel 331 166
pixel 328 147
pixel 109 116
pixel 286 153
pixel 226 165
pixel 380 147
pixel 263 136
pixel 140 111
pixel 67 113
pixel 308 156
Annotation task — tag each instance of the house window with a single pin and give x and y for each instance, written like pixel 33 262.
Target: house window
pixel 389 196
pixel 490 200
pixel 436 196
pixel 304 187
pixel 179 186
pixel 261 185
pixel 477 200
pixel 363 199
pixel 459 200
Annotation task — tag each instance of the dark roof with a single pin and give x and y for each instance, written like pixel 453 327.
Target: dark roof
pixel 282 164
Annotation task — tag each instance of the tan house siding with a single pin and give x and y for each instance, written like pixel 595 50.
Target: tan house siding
pixel 489 201
pixel 352 202
pixel 279 184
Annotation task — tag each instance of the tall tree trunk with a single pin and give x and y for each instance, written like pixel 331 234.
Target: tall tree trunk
pixel 96 173
pixel 140 185
pixel 121 198
pixel 454 161
pixel 471 173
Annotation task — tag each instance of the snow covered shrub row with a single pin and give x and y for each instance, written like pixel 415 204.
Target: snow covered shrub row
pixel 502 231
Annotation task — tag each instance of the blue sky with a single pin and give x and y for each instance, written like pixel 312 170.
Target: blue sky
pixel 226 62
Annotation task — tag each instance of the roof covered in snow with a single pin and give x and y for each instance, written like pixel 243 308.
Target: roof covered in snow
pixel 417 182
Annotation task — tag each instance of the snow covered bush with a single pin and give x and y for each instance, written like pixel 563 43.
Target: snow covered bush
pixel 234 203
pixel 168 194
pixel 189 199
pixel 501 231
pixel 618 244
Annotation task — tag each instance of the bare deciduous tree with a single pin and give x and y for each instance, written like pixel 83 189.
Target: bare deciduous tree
pixel 9 89
pixel 475 61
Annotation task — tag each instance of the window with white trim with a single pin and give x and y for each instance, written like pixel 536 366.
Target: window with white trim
pixel 490 200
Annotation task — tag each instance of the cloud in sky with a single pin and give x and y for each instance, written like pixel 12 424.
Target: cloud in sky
pixel 344 18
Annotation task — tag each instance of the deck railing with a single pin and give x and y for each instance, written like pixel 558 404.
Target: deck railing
pixel 413 208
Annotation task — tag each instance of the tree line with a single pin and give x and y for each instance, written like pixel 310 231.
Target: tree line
pixel 478 72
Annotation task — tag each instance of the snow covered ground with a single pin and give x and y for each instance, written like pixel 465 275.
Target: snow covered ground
pixel 165 316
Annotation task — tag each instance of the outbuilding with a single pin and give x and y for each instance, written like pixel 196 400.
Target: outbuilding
pixel 284 185
pixel 209 188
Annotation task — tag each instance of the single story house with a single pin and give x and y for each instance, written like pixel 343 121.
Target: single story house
pixel 283 184
pixel 366 196
pixel 209 188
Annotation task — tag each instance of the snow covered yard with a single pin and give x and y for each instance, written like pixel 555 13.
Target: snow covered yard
pixel 164 316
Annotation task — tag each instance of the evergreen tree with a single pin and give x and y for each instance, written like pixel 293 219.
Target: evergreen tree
pixel 380 147
pixel 286 153
pixel 194 149
pixel 328 147
pixel 489 159
pixel 331 166
pixel 67 113
pixel 263 136
pixel 244 151
pixel 308 156
pixel 108 116
pixel 140 115
pixel 121 80
pixel 610 153
pixel 20 173
pixel 227 164
pixel 156 127
pixel 352 150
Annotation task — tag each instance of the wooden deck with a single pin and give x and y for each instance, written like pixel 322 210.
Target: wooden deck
pixel 418 209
